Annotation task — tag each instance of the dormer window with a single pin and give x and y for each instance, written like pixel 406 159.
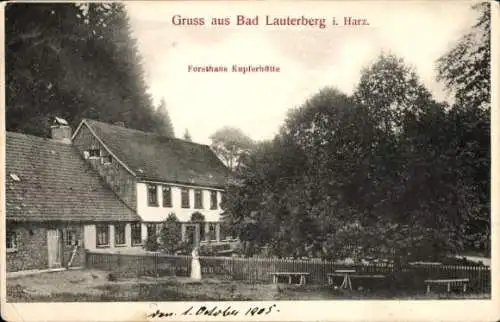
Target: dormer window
pixel 106 159
pixel 94 153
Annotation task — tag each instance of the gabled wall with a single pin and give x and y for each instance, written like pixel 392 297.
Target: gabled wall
pixel 114 174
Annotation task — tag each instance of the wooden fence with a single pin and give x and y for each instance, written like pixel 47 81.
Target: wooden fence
pixel 258 270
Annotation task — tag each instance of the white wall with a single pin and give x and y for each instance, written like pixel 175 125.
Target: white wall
pixel 160 213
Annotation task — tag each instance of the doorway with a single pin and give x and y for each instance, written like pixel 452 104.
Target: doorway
pixel 193 234
pixel 54 248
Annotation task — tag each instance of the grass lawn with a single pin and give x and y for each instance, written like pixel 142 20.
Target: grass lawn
pixel 93 285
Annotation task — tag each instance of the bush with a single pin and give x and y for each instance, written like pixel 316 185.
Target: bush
pixel 183 248
pixel 170 234
pixel 151 244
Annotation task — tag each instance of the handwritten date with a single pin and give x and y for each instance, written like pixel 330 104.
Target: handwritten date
pixel 218 311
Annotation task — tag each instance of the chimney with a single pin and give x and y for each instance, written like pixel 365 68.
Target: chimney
pixel 61 131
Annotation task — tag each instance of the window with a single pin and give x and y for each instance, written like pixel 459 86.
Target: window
pixel 185 198
pixel 120 234
pixel 198 199
pixel 106 159
pixel 212 235
pixel 102 234
pixel 69 237
pixel 11 239
pixel 222 197
pixel 136 234
pixel 152 230
pixel 152 196
pixel 167 196
pixel 213 200
pixel 94 153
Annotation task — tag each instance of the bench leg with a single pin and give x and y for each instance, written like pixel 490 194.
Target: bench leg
pixel 330 280
pixel 289 279
pixel 344 283
pixel 465 287
pixel 275 279
pixel 448 287
pixel 349 281
pixel 302 280
pixel 428 288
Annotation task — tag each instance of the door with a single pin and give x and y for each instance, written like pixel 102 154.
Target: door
pixel 193 235
pixel 54 247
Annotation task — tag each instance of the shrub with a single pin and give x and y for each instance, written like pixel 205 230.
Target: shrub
pixel 170 234
pixel 151 244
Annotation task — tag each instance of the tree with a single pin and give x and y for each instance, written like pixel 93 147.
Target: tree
pixel 170 236
pixel 465 71
pixel 165 127
pixel 390 88
pixel 410 176
pixel 294 191
pixel 72 61
pixel 465 68
pixel 187 135
pixel 230 143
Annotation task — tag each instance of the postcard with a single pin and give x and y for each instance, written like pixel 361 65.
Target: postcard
pixel 249 161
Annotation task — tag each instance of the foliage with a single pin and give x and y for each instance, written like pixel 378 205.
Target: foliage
pixel 197 217
pixel 165 127
pixel 230 143
pixel 187 136
pixel 170 234
pixel 465 69
pixel 151 243
pixel 73 61
pixel 388 172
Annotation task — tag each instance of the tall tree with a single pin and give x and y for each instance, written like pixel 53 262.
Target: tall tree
pixel 230 143
pixel 390 88
pixel 465 70
pixel 72 61
pixel 293 193
pixel 163 118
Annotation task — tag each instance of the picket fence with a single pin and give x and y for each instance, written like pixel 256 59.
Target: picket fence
pixel 258 270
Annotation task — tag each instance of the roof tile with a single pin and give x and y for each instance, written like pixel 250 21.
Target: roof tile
pixel 158 158
pixel 56 184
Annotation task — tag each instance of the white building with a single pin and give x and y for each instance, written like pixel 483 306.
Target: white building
pixel 155 176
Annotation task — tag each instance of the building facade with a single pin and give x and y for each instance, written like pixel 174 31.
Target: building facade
pixel 157 176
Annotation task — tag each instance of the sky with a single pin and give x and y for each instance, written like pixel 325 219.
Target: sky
pixel 309 58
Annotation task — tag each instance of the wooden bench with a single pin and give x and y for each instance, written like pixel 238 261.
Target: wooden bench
pixel 448 282
pixel 302 276
pixel 347 274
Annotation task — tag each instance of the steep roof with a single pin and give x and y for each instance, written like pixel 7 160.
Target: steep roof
pixel 47 180
pixel 158 158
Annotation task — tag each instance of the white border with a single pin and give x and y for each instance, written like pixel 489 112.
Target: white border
pixel 346 310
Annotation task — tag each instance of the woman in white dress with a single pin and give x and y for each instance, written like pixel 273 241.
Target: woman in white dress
pixel 195 265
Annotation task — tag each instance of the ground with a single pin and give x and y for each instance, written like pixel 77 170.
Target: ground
pixel 94 285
